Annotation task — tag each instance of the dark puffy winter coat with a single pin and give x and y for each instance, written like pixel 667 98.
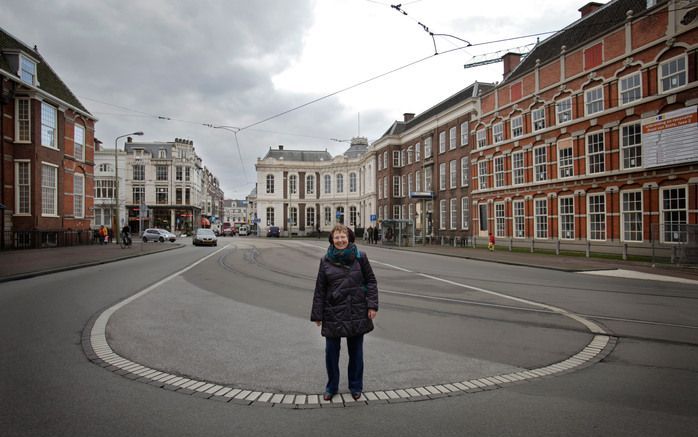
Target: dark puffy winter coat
pixel 343 296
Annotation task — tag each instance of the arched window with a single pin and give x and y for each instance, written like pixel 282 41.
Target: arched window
pixel 340 214
pixel 328 184
pixel 310 184
pixel 270 216
pixel 310 217
pixel 352 182
pixel 352 216
pixel 292 184
pixel 270 184
pixel 340 183
pixel 293 216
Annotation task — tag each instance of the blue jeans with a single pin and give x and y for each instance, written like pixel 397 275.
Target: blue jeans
pixel 355 370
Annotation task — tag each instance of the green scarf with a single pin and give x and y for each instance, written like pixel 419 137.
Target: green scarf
pixel 345 256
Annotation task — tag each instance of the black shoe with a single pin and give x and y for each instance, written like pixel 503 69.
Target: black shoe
pixel 356 395
pixel 327 396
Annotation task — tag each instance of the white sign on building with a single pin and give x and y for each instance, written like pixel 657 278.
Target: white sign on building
pixel 670 138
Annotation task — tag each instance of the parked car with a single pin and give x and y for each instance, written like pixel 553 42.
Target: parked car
pixel 243 230
pixel 228 229
pixel 273 231
pixel 205 237
pixel 155 234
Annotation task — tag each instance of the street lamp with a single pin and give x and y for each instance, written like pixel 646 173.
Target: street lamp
pixel 116 180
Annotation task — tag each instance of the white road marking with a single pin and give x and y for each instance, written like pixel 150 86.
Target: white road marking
pixel 632 274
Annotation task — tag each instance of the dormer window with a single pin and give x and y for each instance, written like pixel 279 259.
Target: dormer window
pixel 27 70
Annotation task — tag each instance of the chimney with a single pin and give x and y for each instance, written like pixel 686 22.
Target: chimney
pixel 281 147
pixel 407 116
pixel 510 60
pixel 589 8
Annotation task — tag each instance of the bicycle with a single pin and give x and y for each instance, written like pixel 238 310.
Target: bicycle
pixel 126 240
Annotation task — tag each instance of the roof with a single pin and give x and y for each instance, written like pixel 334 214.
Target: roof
pixel 600 22
pixel 299 155
pixel 151 148
pixel 359 146
pixel 49 81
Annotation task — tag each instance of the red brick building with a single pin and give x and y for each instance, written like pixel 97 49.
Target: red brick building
pixel 592 137
pixel 47 145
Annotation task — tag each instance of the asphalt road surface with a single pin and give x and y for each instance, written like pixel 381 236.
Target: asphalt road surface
pixel 240 317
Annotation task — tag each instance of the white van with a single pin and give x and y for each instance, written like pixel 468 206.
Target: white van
pixel 243 230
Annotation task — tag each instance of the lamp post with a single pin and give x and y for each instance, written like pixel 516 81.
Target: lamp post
pixel 116 180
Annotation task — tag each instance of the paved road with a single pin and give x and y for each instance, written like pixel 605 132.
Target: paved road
pixel 242 311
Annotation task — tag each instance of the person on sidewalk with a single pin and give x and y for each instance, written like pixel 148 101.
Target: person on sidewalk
pixel 345 303
pixel 102 234
pixel 490 244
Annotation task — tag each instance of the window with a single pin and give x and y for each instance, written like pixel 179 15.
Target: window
pixel 593 100
pixel 565 161
pixel 178 196
pixel 481 138
pixel 138 172
pixel 310 217
pixel 563 110
pixel 49 120
pixel 517 167
pixel 410 211
pixel 396 186
pixel 161 195
pixel 631 145
pixel 427 148
pixel 631 204
pixel 442 142
pixel 595 153
pixel 540 218
pixel 417 149
pixel 464 172
pixel 27 70
pixel 672 74
pixel 49 190
pixel 452 138
pixel 23 120
pixel 104 188
pixel 453 175
pixel 596 214
pixel 328 183
pixel 396 158
pixel 538 119
pixel 187 196
pixel 516 126
pixel 79 143
pixel 352 216
pixel 179 173
pixel 138 193
pixel 482 174
pixel 380 191
pixel 403 193
pixel 499 220
pixel 270 216
pixel 385 160
pixel 630 88
pixel 379 163
pixel 519 219
pixel 105 168
pixel 418 180
pixel 409 183
pixel 540 164
pixel 499 171
pixel 162 154
pixel 464 134
pixel 293 216
pixel 396 212
pixel 454 214
pixel 187 174
pixel 442 176
pixel 160 172
pixel 352 182
pixel 465 213
pixel 340 183
pixel 385 187
pixel 498 133
pixel 403 158
pixel 310 184
pixel 427 179
pixel 328 216
pixel 270 184
pixel 566 212
pixel 22 187
pixel 483 216
pixel 410 155
pixel 292 184
pixel 442 214
pixel 674 215
pixel 78 196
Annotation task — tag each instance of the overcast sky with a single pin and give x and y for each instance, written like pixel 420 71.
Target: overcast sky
pixel 239 62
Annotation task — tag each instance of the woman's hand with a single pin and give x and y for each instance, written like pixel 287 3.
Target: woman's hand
pixel 372 314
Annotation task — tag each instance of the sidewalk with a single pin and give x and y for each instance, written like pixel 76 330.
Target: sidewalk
pixel 21 264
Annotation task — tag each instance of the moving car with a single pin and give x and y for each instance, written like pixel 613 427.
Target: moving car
pixel 228 229
pixel 204 237
pixel 243 230
pixel 273 231
pixel 155 234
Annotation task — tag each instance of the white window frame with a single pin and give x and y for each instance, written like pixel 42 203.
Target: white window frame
pixel 666 226
pixel 631 151
pixel 78 195
pixel 465 213
pixel 292 184
pixel 681 75
pixel 518 212
pixel 498 132
pixel 23 120
pixel 28 76
pixel 453 206
pixel 442 214
pixel 566 218
pixel 49 192
pixel 23 184
pixel 629 88
pixel 396 158
pixel 417 152
pixel 452 138
pixel 293 216
pixel 49 126
pixel 595 153
pixel 464 134
pixel 538 119
pixel 631 216
pixel 464 171
pixel 565 164
pixel 563 110
pixel 517 127
pixel 427 148
pixel 328 182
pixel 409 183
pixel 596 217
pixel 410 155
pixel 481 138
pixel 396 212
pixel 352 182
pixel 518 172
pixel 540 219
pixel 442 176
pixel 540 163
pixel 310 217
pixel 396 186
pixel 498 164
pixel 482 174
pixel 500 221
pixel 428 179
pixel 418 181
pixel 442 142
pixel 79 142
pixel 270 184
pixel 339 179
pixel 328 216
pixel 270 213
pixel 452 174
pixel 593 100
pixel 310 184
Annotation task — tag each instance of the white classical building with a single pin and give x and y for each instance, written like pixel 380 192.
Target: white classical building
pixel 304 192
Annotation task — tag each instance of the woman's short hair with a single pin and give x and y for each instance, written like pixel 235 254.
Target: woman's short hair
pixel 343 229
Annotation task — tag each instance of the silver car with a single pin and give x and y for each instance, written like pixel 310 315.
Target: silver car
pixel 155 234
pixel 205 237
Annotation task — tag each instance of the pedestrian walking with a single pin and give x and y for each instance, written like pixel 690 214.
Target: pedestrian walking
pixel 345 303
pixel 102 234
pixel 490 244
pixel 369 231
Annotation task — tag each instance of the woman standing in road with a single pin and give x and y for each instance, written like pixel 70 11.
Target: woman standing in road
pixel 344 304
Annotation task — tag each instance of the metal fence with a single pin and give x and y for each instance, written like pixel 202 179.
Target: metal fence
pixel 44 239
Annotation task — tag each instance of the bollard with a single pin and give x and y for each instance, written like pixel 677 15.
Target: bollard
pixel 588 250
pixel 625 252
pixel 532 243
pixel 557 247
pixel 511 244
